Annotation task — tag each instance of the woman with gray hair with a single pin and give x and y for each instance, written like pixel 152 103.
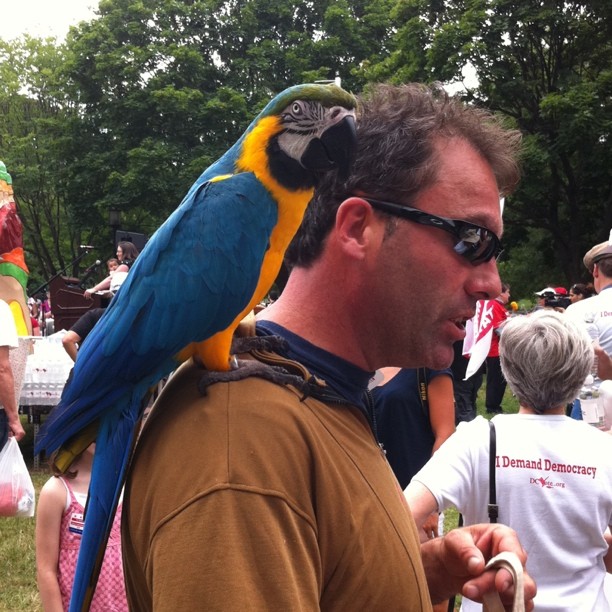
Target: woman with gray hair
pixel 553 474
pixel 545 360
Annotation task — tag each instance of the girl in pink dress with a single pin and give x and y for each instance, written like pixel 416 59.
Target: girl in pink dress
pixel 59 526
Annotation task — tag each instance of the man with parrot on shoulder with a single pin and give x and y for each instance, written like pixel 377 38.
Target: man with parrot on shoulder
pixel 264 487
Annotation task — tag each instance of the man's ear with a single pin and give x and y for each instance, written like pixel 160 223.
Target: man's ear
pixel 357 227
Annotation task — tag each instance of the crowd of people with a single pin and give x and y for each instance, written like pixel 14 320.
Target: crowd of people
pixel 63 498
pixel 41 316
pixel 553 474
pixel 276 493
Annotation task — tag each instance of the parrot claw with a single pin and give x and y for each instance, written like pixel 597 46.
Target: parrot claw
pixel 247 368
pixel 274 344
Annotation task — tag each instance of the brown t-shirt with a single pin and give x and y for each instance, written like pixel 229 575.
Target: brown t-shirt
pixel 253 499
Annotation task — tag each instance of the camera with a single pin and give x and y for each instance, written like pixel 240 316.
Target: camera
pixel 560 301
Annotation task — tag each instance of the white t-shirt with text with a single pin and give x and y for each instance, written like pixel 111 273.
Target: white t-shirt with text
pixel 554 487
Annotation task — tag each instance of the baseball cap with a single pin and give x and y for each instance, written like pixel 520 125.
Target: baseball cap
pixel 560 290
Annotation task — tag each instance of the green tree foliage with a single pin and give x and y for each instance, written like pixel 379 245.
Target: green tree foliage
pixel 165 86
pixel 141 99
pixel 34 117
pixel 547 67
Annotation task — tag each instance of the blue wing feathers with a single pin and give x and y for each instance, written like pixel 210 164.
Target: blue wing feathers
pixel 197 272
pixel 195 275
pixel 113 446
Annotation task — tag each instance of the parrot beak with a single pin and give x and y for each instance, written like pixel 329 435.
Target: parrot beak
pixel 335 148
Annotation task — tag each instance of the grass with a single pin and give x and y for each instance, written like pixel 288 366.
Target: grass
pixel 17 553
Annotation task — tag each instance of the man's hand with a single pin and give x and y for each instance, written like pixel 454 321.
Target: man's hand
pixel 16 427
pixel 455 564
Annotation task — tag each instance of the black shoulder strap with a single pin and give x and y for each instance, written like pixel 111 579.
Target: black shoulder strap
pixel 492 507
pixel 422 384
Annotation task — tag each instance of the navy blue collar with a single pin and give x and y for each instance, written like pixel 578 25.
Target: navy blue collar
pixel 343 377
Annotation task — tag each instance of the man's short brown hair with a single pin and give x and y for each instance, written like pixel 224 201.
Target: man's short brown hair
pixel 397 128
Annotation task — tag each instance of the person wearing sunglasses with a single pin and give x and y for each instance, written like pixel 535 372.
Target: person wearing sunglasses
pixel 275 494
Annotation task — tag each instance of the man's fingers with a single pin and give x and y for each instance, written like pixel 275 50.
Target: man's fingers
pixel 511 563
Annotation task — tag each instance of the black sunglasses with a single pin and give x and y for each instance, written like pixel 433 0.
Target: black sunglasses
pixel 477 244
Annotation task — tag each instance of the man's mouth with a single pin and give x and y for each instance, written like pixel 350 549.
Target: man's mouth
pixel 461 321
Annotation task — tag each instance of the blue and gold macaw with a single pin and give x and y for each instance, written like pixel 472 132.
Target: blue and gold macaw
pixel 204 269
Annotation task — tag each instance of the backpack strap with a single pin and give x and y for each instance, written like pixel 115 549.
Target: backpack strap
pixel 492 507
pixel 422 386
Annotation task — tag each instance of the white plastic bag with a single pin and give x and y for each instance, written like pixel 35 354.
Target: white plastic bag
pixel 16 488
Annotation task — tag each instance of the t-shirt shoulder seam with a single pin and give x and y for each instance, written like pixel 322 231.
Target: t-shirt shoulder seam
pixel 239 488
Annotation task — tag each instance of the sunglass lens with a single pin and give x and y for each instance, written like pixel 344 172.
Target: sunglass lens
pixel 477 244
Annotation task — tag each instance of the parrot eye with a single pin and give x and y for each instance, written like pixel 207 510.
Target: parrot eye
pixel 297 108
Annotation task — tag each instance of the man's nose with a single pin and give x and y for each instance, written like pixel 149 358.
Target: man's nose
pixel 484 282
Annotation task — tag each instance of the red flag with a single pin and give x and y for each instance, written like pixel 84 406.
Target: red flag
pixel 479 332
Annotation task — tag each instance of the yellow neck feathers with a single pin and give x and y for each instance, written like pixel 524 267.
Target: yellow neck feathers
pixel 254 158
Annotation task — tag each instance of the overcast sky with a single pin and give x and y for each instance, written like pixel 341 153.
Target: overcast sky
pixel 43 17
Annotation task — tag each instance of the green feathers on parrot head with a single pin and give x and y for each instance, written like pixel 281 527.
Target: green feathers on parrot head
pixel 307 130
pixel 326 94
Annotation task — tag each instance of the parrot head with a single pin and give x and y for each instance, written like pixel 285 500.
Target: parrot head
pixel 303 132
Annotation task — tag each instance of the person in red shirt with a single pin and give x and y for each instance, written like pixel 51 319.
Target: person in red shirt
pixel 35 326
pixel 496 383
